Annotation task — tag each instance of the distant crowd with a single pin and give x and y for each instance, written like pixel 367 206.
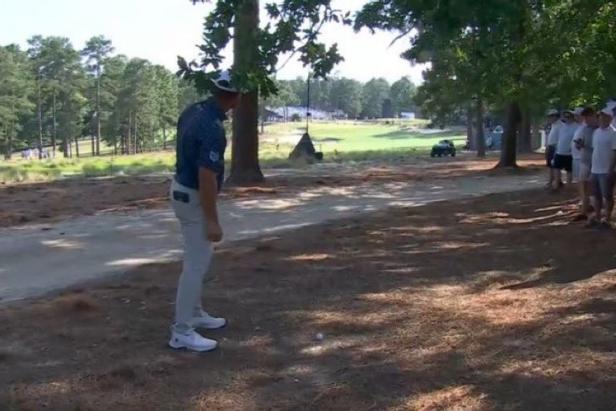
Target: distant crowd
pixel 35 154
pixel 582 143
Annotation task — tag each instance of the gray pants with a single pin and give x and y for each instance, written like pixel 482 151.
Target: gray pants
pixel 198 253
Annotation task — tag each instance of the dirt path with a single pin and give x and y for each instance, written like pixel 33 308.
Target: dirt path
pixel 484 304
pixel 24 204
pixel 92 247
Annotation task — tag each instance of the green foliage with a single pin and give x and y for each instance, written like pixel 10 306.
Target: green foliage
pixel 345 95
pixel 16 87
pixel 74 95
pixel 402 94
pixel 374 94
pixel 293 27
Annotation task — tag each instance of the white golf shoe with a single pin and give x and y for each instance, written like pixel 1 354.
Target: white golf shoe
pixel 204 320
pixel 191 341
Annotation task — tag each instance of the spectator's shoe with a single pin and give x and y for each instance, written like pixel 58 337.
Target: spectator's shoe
pixel 579 217
pixel 204 320
pixel 191 341
pixel 592 224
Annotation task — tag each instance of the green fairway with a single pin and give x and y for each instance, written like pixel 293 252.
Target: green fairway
pixel 340 141
pixel 348 136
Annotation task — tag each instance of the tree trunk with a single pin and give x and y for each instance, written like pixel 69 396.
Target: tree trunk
pixel 164 137
pixel 245 152
pixel 98 112
pixel 77 147
pixel 469 130
pixel 525 145
pixel 40 121
pixel 135 141
pixel 129 134
pixel 535 137
pixel 9 143
pixel 481 138
pixel 53 126
pixel 508 150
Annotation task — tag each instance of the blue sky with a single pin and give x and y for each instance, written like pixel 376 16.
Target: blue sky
pixel 159 30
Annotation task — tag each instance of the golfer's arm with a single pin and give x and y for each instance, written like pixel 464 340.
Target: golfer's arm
pixel 208 193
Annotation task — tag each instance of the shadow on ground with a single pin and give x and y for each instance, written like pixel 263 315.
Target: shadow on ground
pixel 491 303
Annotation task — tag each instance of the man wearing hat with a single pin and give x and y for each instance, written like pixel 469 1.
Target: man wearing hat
pixel 201 144
pixel 582 142
pixel 602 169
pixel 611 105
pixel 563 160
pixel 550 148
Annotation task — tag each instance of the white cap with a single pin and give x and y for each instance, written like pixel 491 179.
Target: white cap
pixel 569 111
pixel 611 105
pixel 223 82
pixel 552 112
pixel 609 110
pixel 578 111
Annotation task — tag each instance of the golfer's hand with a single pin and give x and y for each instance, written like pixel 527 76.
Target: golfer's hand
pixel 214 232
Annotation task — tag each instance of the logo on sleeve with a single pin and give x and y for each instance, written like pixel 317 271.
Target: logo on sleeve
pixel 214 156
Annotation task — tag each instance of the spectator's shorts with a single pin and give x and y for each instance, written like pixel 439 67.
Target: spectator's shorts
pixel 602 185
pixel 549 155
pixel 576 169
pixel 584 172
pixel 563 162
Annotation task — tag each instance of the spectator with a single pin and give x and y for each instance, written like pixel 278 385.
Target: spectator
pixel 582 142
pixel 563 159
pixel 602 169
pixel 550 149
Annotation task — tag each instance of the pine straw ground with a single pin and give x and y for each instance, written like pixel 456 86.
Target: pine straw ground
pixel 491 303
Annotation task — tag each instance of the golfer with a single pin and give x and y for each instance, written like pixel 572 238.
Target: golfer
pixel 201 144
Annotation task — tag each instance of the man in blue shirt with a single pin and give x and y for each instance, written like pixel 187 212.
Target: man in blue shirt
pixel 200 169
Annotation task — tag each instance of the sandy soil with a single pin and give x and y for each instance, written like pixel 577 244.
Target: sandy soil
pixel 492 303
pixel 47 202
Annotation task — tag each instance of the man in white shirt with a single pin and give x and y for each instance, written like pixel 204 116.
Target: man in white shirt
pixel 550 147
pixel 612 105
pixel 563 159
pixel 582 147
pixel 602 169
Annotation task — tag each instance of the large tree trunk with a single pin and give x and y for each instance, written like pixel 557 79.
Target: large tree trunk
pixel 470 136
pixel 98 112
pixel 508 150
pixel 245 148
pixel 40 121
pixel 481 138
pixel 525 144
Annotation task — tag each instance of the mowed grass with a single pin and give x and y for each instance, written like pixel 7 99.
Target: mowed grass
pixel 339 141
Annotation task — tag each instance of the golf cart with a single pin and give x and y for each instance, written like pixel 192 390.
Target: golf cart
pixel 443 148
